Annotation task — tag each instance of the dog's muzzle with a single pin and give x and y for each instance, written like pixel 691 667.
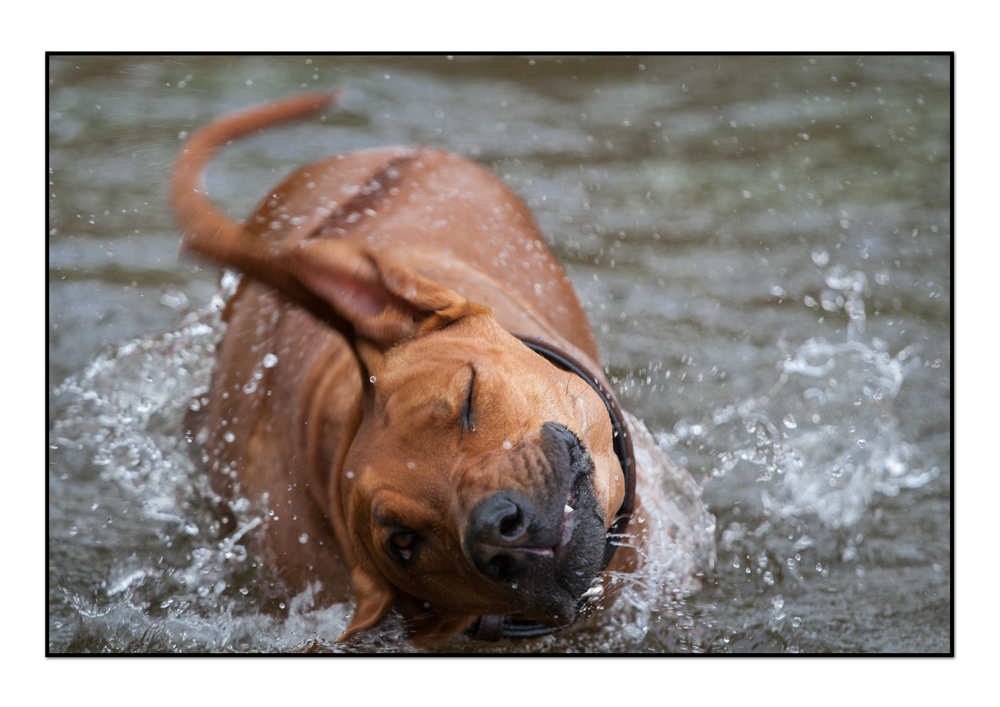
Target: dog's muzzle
pixel 542 553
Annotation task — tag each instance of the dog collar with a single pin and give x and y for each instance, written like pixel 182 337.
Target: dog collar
pixel 495 627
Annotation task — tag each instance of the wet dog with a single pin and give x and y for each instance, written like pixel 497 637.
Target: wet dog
pixel 409 379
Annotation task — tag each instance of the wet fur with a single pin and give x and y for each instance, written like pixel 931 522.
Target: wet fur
pixel 377 279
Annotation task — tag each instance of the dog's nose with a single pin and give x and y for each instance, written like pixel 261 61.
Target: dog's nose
pixel 496 534
pixel 500 519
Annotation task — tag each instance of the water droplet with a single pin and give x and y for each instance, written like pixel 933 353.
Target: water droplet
pixel 789 422
pixel 372 379
pixel 820 257
pixel 270 360
pixel 507 444
pixel 229 437
pixel 304 538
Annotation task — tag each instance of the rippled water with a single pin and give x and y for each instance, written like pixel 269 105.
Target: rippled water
pixel 764 247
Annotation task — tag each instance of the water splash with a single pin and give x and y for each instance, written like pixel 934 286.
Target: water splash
pixel 823 440
pixel 194 586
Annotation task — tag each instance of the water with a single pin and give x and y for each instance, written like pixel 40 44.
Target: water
pixel 763 245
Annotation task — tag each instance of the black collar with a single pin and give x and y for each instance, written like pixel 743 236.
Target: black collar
pixel 495 627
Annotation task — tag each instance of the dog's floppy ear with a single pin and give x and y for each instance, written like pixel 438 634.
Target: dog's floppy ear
pixel 363 293
pixel 373 597
pixel 383 301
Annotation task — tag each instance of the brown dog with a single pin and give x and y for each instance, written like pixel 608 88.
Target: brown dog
pixel 415 453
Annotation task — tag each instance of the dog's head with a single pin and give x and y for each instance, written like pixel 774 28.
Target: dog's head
pixel 482 478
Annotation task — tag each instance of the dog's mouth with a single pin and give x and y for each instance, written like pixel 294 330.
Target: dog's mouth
pixel 541 554
pixel 558 551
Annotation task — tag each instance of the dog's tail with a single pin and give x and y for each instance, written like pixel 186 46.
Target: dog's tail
pixel 207 231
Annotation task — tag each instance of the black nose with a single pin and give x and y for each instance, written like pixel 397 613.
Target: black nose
pixel 497 530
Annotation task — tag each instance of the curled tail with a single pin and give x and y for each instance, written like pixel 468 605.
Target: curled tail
pixel 207 231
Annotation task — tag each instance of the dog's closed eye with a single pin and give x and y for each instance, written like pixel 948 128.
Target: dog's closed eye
pixel 457 404
pixel 468 421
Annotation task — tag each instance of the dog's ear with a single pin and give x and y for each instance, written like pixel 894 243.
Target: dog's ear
pixel 363 293
pixel 373 597
pixel 382 300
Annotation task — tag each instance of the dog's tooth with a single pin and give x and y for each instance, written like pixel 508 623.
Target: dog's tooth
pixel 568 508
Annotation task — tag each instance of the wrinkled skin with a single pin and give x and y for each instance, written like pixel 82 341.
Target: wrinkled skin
pixel 415 454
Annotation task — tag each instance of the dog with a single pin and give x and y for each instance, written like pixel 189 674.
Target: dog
pixel 409 379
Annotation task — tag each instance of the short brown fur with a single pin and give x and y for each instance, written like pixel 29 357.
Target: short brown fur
pixel 381 281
